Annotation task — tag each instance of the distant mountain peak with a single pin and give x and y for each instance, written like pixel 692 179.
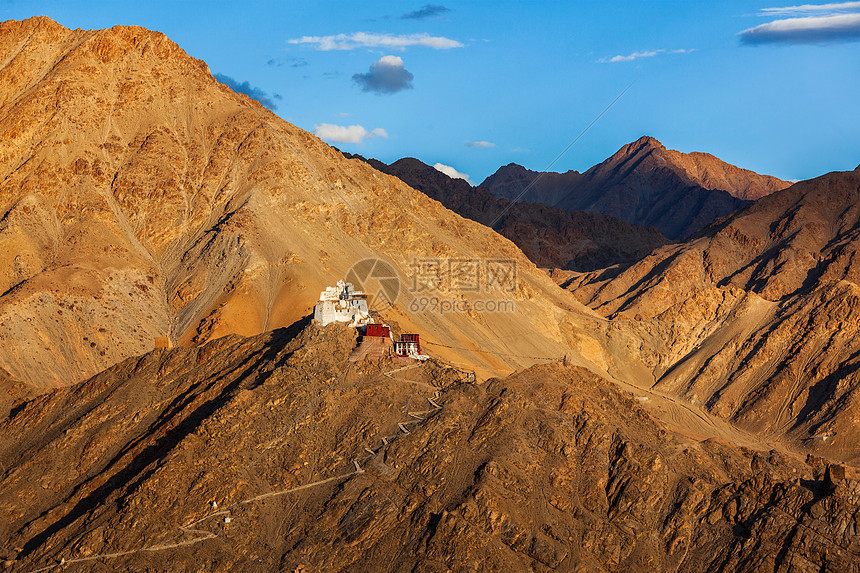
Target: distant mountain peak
pixel 644 142
pixel 643 183
pixel 550 237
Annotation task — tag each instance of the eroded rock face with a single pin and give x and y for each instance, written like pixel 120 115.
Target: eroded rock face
pixel 756 318
pixel 645 184
pixel 551 469
pixel 141 199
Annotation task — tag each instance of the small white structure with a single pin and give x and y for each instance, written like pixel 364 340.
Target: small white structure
pixel 342 304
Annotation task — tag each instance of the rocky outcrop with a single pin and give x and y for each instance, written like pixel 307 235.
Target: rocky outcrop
pixel 241 455
pixel 645 184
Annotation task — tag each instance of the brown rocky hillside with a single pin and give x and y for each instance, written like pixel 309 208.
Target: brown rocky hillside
pixel 275 453
pixel 645 184
pixel 140 198
pixel 757 318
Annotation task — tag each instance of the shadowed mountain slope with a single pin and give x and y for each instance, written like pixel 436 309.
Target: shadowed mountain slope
pixel 550 237
pixel 646 184
pixel 757 317
pixel 274 453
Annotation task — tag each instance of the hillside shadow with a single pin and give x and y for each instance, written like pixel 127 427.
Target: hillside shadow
pixel 824 389
pixel 139 468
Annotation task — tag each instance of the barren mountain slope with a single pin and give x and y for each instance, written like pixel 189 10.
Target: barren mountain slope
pixel 757 319
pixel 241 456
pixel 549 237
pixel 140 198
pixel 646 184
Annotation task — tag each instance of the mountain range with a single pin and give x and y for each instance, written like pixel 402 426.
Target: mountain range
pixel 167 403
pixel 756 318
pixel 549 237
pixel 644 184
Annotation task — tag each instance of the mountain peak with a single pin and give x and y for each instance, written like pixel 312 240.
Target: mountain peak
pixel 31 23
pixel 696 168
pixel 645 144
pixel 643 183
pixel 647 140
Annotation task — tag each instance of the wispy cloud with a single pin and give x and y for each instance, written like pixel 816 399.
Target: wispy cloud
pixel 640 55
pixel 347 133
pixel 479 144
pixel 252 92
pixel 426 11
pixel 833 26
pixel 388 41
pixel 291 62
pixel 386 76
pixel 811 9
pixel 451 172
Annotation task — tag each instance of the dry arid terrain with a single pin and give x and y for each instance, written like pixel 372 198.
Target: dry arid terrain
pixel 142 199
pixel 696 410
pixel 755 319
pixel 276 453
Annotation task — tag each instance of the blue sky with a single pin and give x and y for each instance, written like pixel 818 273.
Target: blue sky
pixel 768 86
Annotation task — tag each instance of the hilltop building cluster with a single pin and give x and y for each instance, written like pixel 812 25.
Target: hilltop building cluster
pixel 344 304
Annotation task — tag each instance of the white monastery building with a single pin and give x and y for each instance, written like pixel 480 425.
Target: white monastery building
pixel 342 304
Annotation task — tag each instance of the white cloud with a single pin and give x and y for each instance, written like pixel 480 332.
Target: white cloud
pixel 812 8
pixel 639 55
pixel 631 57
pixel 479 144
pixel 388 41
pixel 451 172
pixel 347 134
pixel 806 30
pixel 392 61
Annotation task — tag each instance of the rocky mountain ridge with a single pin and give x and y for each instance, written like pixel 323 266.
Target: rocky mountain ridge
pixel 755 319
pixel 645 184
pixel 549 237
